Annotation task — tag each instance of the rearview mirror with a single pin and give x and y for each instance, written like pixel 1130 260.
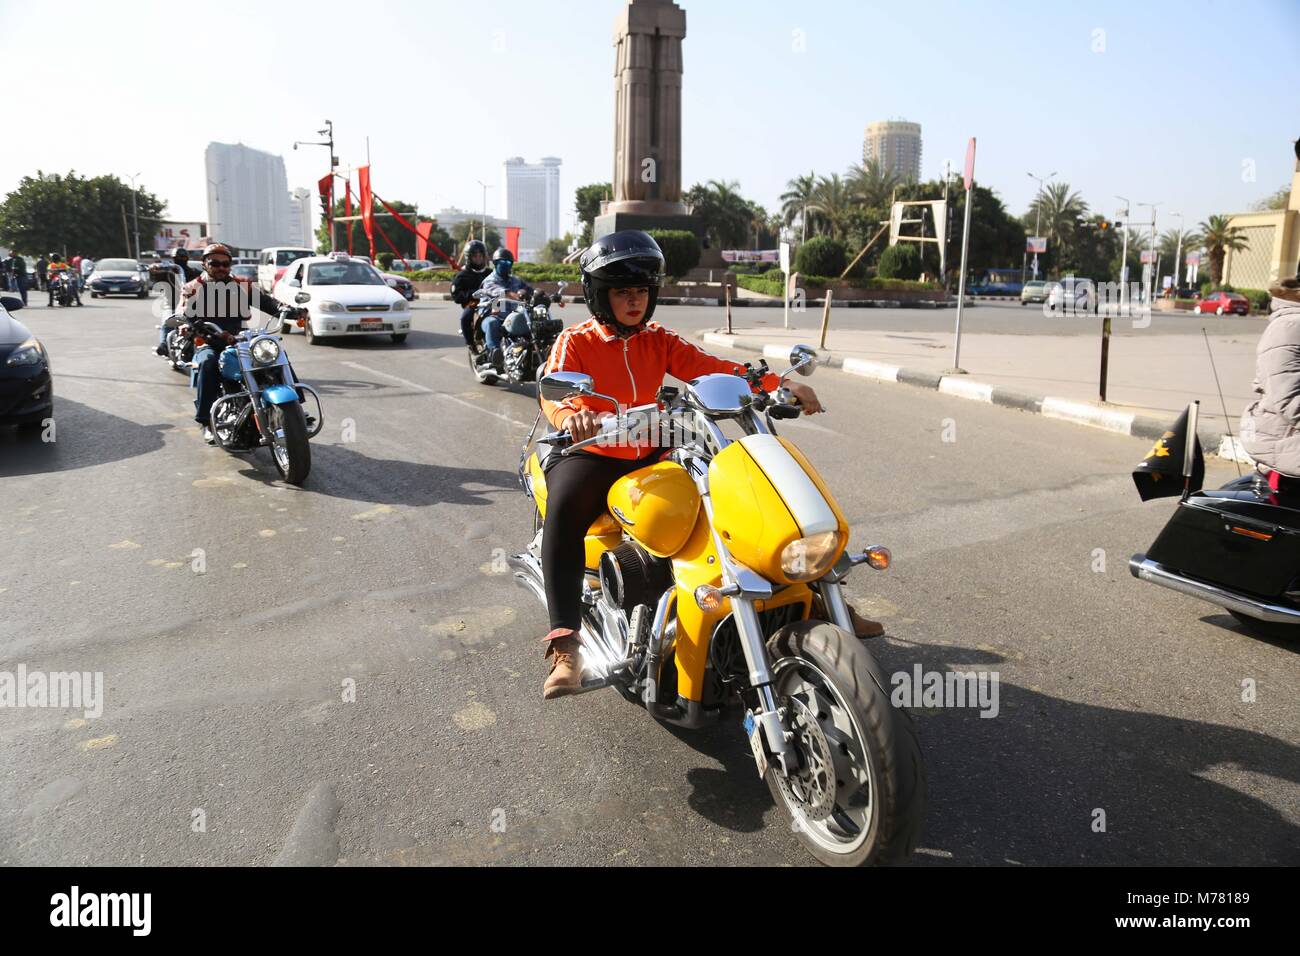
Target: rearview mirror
pixel 11 303
pixel 302 297
pixel 803 359
pixel 557 386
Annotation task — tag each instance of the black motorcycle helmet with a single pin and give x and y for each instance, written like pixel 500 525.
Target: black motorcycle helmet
pixel 471 247
pixel 503 255
pixel 621 260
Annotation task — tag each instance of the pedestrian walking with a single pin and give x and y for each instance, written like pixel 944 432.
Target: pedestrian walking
pixel 42 264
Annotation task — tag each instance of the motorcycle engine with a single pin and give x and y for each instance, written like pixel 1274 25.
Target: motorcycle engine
pixel 630 575
pixel 515 359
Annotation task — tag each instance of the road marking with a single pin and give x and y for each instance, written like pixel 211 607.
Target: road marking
pixel 443 395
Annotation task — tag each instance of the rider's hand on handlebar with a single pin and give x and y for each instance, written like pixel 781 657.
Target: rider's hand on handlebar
pixel 583 425
pixel 808 399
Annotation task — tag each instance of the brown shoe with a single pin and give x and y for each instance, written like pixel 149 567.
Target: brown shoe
pixel 566 667
pixel 864 628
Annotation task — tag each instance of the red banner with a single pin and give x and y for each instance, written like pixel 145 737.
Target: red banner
pixel 422 233
pixel 367 207
pixel 512 240
pixel 347 211
pixel 325 186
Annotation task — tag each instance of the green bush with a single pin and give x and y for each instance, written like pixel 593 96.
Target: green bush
pixel 1260 300
pixel 822 256
pixel 385 261
pixel 900 262
pixel 681 249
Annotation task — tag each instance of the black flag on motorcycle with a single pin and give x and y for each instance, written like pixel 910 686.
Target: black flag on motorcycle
pixel 1163 471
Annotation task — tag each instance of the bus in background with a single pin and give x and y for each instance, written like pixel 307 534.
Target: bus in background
pixel 996 282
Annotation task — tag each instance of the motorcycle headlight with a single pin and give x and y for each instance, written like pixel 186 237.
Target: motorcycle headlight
pixel 29 353
pixel 331 307
pixel 401 306
pixel 806 559
pixel 266 351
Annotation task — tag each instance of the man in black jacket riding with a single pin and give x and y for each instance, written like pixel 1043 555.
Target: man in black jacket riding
pixel 465 285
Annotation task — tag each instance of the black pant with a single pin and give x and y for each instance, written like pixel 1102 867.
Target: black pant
pixel 576 487
pixel 467 324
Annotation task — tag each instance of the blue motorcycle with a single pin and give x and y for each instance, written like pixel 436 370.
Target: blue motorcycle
pixel 262 401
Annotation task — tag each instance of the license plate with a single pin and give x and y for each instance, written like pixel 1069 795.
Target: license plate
pixel 366 320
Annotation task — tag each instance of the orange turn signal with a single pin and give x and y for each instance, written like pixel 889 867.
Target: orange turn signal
pixel 708 598
pixel 1258 535
pixel 878 558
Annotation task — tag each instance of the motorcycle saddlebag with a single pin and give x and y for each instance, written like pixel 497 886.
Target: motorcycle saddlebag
pixel 1237 542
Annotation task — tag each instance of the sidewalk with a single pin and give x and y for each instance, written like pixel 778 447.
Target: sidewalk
pixel 1151 378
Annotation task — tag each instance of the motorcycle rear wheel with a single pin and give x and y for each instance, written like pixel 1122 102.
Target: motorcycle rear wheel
pixel 291 450
pixel 860 797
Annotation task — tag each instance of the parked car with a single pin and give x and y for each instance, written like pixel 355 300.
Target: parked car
pixel 1072 296
pixel 273 261
pixel 245 270
pixel 1221 302
pixel 343 296
pixel 1035 290
pixel 401 284
pixel 118 277
pixel 26 386
pixel 412 265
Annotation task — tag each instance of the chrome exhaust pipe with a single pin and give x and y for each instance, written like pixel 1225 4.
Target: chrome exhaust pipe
pixel 1142 567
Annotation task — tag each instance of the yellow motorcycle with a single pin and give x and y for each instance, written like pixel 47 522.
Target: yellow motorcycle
pixel 705 582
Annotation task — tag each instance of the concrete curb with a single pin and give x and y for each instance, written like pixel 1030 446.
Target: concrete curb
pixel 1063 409
pixel 839 304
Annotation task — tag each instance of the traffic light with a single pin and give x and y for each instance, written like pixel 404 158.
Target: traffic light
pixel 1104 226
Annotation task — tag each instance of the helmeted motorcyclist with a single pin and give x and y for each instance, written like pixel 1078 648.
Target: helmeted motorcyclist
pixel 500 282
pixel 226 301
pixel 474 269
pixel 58 269
pixel 628 356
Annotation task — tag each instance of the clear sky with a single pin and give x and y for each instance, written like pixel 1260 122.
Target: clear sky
pixel 1191 104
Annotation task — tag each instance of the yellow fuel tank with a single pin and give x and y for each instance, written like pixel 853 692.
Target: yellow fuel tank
pixel 766 496
pixel 657 505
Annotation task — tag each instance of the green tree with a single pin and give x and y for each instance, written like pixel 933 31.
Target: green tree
pixel 403 240
pixel 555 249
pixel 997 240
pixel 586 205
pixel 821 256
pixel 900 262
pixel 872 185
pixel 462 232
pixel 75 214
pixel 1274 201
pixel 723 212
pixel 1218 237
pixel 1094 252
pixel 681 250
pixel 1058 213
pixel 834 202
pixel 796 200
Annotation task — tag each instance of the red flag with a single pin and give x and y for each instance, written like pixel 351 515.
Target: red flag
pixel 422 233
pixel 367 207
pixel 347 211
pixel 325 186
pixel 512 240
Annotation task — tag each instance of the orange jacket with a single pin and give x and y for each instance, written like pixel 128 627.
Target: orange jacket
pixel 630 370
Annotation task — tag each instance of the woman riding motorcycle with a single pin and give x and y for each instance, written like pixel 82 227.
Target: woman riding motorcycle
pixel 1270 425
pixel 627 355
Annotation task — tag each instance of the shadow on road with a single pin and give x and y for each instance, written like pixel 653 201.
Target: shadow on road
pixel 341 472
pixel 1026 786
pixel 83 437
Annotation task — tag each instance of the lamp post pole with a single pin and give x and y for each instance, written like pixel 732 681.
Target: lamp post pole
pixel 1151 274
pixel 1038 211
pixel 328 132
pixel 135 217
pixel 1178 255
pixel 486 187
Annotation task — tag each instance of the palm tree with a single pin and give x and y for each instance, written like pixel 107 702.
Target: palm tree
pixel 1174 242
pixel 723 211
pixel 872 185
pixel 833 200
pixel 1059 211
pixel 1218 237
pixel 794 201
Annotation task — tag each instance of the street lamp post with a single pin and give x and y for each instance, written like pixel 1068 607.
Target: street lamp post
pixel 135 217
pixel 1123 256
pixel 1038 212
pixel 1151 273
pixel 216 192
pixel 328 132
pixel 486 187
pixel 1178 255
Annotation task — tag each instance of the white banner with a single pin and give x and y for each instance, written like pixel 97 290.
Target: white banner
pixel 751 255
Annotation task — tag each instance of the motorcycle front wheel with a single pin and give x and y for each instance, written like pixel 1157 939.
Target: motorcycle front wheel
pixel 289 445
pixel 858 797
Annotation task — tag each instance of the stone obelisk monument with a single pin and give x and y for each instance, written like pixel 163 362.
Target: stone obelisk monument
pixel 647 180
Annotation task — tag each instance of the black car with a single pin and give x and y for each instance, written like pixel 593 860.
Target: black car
pixel 118 277
pixel 26 387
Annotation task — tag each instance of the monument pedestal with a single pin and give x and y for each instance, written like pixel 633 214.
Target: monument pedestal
pixel 645 216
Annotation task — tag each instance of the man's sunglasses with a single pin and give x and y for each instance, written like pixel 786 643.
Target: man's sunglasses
pixel 220 263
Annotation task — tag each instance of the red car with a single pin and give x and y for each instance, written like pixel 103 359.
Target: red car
pixel 1221 302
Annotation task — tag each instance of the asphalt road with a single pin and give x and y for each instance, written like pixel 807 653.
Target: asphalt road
pixel 227 737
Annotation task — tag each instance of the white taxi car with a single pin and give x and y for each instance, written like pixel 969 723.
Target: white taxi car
pixel 343 296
